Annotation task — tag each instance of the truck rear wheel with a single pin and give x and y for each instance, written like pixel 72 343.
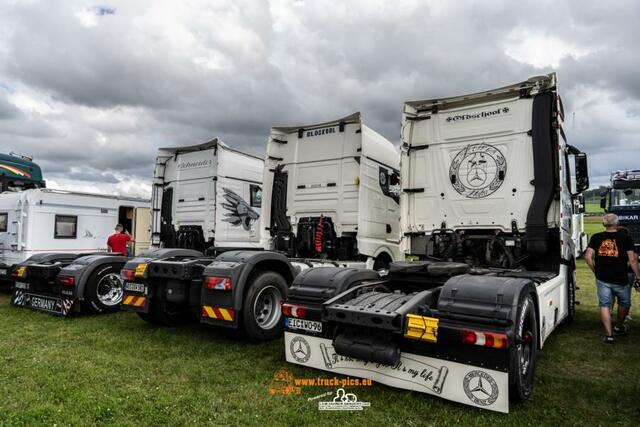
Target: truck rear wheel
pixel 261 313
pixel 103 292
pixel 524 351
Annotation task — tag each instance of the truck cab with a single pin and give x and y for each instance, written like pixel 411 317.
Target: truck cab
pixel 18 173
pixel 622 198
pixel 332 191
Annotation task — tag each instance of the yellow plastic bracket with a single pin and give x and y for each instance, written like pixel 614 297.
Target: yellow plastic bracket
pixel 422 328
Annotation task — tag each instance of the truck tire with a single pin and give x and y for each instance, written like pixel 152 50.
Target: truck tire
pixel 261 312
pixel 525 350
pixel 103 292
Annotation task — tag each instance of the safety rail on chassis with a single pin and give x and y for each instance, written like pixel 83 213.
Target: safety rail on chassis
pixel 66 283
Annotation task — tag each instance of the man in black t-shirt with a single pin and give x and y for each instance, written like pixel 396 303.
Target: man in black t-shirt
pixel 609 254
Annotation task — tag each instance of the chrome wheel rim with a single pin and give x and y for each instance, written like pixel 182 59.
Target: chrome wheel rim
pixel 266 308
pixel 109 290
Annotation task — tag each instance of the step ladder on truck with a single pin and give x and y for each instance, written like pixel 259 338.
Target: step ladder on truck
pixel 329 197
pixel 487 199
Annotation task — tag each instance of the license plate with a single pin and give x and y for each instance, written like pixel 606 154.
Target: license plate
pixel 47 304
pixel 135 287
pixel 21 285
pixel 305 325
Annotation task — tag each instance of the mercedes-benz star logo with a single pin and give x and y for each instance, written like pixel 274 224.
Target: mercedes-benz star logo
pixel 480 388
pixel 300 349
pixel 478 170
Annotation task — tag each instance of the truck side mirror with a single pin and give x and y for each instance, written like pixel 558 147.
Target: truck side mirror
pixel 582 172
pixel 603 201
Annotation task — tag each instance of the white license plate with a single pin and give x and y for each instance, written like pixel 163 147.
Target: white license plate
pixel 305 325
pixel 135 287
pixel 21 285
pixel 47 304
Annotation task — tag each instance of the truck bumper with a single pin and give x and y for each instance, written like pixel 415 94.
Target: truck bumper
pixel 52 304
pixel 466 384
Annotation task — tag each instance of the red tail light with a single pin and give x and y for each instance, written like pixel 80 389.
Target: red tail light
pixel 291 310
pixel 484 339
pixel 67 280
pixel 218 283
pixel 127 274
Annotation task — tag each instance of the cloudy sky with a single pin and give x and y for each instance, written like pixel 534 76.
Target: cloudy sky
pixel 91 89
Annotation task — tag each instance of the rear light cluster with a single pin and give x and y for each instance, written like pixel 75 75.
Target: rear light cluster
pixel 218 283
pixel 141 269
pixel 485 339
pixel 127 274
pixel 20 272
pixel 66 280
pixel 291 310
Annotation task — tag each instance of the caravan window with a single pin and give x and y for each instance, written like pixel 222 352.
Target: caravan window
pixel 66 227
pixel 4 222
pixel 256 196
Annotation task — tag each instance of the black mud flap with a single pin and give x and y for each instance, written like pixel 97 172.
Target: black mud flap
pixel 52 305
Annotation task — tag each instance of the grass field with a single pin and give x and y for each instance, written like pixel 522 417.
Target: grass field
pixel 118 370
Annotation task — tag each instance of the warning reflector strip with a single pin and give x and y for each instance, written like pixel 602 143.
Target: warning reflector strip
pixel 133 300
pixel 218 313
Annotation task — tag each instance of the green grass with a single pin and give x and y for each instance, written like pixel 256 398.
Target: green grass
pixel 118 370
pixel 593 225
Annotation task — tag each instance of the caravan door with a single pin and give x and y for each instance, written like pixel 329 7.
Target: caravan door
pixel 141 230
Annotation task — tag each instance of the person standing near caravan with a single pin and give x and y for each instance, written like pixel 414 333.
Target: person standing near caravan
pixel 119 241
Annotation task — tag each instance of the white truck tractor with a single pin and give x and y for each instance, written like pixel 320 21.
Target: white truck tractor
pixel 54 245
pixel 330 198
pixel 486 207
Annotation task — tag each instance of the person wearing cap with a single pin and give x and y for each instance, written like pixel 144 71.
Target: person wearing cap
pixel 609 255
pixel 119 240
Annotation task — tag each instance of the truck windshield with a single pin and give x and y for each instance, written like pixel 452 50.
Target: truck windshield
pixel 625 197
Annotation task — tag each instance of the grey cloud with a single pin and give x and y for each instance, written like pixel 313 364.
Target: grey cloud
pixel 134 82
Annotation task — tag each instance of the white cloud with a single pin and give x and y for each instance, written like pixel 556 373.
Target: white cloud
pixel 539 49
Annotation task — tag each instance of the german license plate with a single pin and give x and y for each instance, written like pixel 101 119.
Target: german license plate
pixel 302 324
pixel 135 287
pixel 42 303
pixel 21 285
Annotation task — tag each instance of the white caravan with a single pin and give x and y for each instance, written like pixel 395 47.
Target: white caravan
pixel 206 197
pixel 332 191
pixel 42 220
